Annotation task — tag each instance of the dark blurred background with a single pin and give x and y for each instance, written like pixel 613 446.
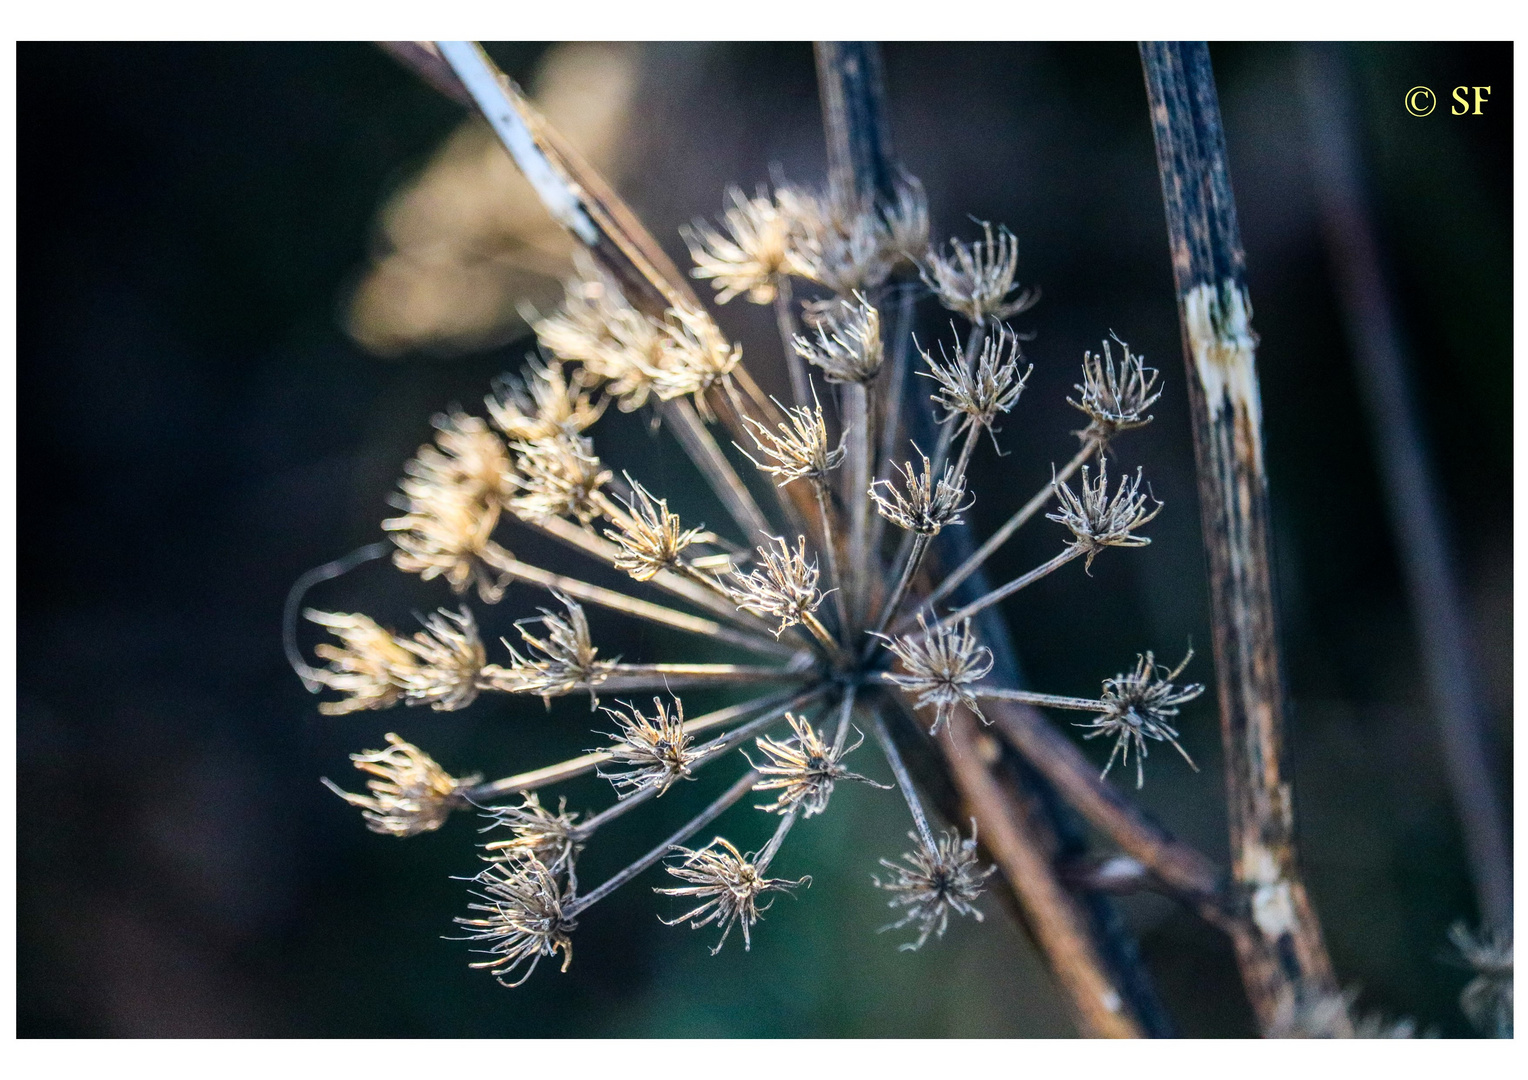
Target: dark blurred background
pixel 209 234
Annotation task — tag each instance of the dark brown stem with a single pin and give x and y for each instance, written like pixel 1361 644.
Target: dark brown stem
pixel 1214 313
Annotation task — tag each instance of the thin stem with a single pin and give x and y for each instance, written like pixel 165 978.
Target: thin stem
pixel 835 653
pixel 857 472
pixel 830 548
pixel 502 560
pixel 1068 553
pixel 894 389
pixel 707 455
pixel 841 736
pixel 1029 697
pixel 615 810
pixel 909 568
pixel 764 858
pixel 904 782
pixel 1011 526
pixel 722 743
pixel 774 705
pixel 740 788
pixel 785 322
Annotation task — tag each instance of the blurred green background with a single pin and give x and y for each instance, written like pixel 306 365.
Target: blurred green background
pixel 207 234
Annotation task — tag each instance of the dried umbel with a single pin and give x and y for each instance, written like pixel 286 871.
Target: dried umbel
pixel 653 750
pixel 803 769
pixel 933 880
pixel 523 919
pixel 1310 1012
pixel 553 839
pixel 1138 707
pixel 1099 520
pixel 753 254
pixel 1487 999
pixel 796 449
pixel 824 259
pixel 940 666
pixel 1115 399
pixel 728 885
pixel 848 346
pixel 410 794
pixel 977 279
pixel 927 505
pixel 564 661
pixel 650 538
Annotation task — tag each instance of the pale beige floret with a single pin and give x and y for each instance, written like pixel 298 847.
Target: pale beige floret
pixel 976 279
pixel 848 347
pixel 928 505
pixel 410 793
pixel 541 403
pixel 941 666
pixel 753 253
pixel 1098 520
pixel 728 884
pixel 651 539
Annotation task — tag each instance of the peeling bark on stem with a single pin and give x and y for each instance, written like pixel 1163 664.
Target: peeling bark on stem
pixel 1214 314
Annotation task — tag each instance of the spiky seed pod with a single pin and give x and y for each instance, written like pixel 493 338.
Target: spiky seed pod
pixel 752 255
pixel 541 403
pixel 522 906
pixel 655 750
pixel 1139 706
pixel 928 505
pixel 561 663
pixel 368 665
pixel 797 448
pixel 466 455
pixel 1487 999
pixel 729 886
pixel 1307 1011
pixel 978 396
pixel 906 218
pixel 410 793
pixel 783 587
pixel 1098 521
pixel 803 769
pixel 1115 399
pixel 552 838
pixel 652 538
pixel 841 242
pixel 450 659
pixel 848 348
pixel 934 882
pixel 559 477
pixel 940 667
pixel 697 356
pixel 976 279
pixel 597 328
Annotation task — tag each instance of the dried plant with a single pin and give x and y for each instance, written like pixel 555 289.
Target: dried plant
pixel 817 664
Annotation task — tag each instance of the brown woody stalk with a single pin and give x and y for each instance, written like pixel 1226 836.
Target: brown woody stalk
pixel 1214 314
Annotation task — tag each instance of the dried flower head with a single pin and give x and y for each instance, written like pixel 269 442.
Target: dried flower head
pixel 729 886
pixel 368 666
pixel 838 240
pixel 935 881
pixel 928 505
pixel 848 347
pixel 696 357
pixel 803 769
pixel 751 257
pixel 655 750
pixel 1115 399
pixel 562 662
pixel 906 218
pixel 451 495
pixel 552 838
pixel 650 538
pixel 1098 521
pixel 450 659
pixel 613 341
pixel 798 448
pixel 783 587
pixel 541 403
pixel 1139 705
pixel 559 477
pixel 976 279
pixel 940 667
pixel 978 396
pixel 410 793
pixel 1487 999
pixel 522 906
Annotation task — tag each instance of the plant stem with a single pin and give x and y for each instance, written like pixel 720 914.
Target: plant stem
pixel 1068 553
pixel 904 781
pixel 707 455
pixel 857 475
pixel 1214 313
pixel 785 322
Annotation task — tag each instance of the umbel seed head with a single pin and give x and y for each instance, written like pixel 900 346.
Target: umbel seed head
pixel 1098 521
pixel 931 882
pixel 410 793
pixel 940 666
pixel 728 884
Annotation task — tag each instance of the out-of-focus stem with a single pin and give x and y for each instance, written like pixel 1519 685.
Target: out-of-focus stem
pixel 703 450
pixel 857 472
pixel 785 322
pixel 1068 553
